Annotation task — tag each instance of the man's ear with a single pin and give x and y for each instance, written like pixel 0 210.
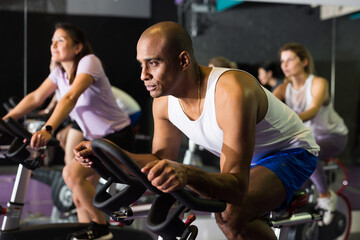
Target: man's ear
pixel 184 58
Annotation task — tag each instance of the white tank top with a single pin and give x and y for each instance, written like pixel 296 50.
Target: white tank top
pixel 327 121
pixel 281 128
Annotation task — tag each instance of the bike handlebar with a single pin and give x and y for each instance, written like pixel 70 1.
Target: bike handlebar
pixel 17 130
pixel 160 219
pixel 188 198
pixel 17 151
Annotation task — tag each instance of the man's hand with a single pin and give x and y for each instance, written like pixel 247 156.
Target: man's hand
pixel 166 175
pixel 82 152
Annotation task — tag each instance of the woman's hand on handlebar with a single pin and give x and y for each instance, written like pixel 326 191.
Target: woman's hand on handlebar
pixel 166 175
pixel 82 152
pixel 40 139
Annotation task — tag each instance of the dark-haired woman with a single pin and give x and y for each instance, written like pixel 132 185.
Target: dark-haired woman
pixel 267 75
pixel 85 95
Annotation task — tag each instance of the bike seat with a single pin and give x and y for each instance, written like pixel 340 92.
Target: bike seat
pixel 299 199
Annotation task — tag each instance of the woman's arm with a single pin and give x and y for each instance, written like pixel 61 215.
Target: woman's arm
pixel 279 91
pixel 68 101
pixel 63 108
pixel 319 91
pixel 166 140
pixel 50 107
pixel 32 100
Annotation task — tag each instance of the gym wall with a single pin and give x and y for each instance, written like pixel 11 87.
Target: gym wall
pixel 248 34
pixel 251 33
pixel 113 40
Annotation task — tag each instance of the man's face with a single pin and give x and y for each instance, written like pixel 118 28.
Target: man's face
pixel 157 66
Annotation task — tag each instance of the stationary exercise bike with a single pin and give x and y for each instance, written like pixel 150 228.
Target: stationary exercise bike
pixel 28 160
pixel 300 221
pixel 164 216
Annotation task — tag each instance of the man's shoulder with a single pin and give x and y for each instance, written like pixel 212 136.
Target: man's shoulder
pixel 237 79
pixel 160 106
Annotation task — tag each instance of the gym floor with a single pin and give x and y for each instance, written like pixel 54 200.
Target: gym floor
pixel 39 204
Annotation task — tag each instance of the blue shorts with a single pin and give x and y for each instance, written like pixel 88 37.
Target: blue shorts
pixel 292 166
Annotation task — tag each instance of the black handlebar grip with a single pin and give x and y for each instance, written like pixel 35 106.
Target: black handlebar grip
pixel 7 128
pixel 186 197
pixel 18 129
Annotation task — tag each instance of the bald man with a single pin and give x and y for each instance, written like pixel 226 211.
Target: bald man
pixel 266 153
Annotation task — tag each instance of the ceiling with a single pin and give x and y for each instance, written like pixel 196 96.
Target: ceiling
pixel 142 8
pixel 328 8
pixel 314 2
pixel 117 8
